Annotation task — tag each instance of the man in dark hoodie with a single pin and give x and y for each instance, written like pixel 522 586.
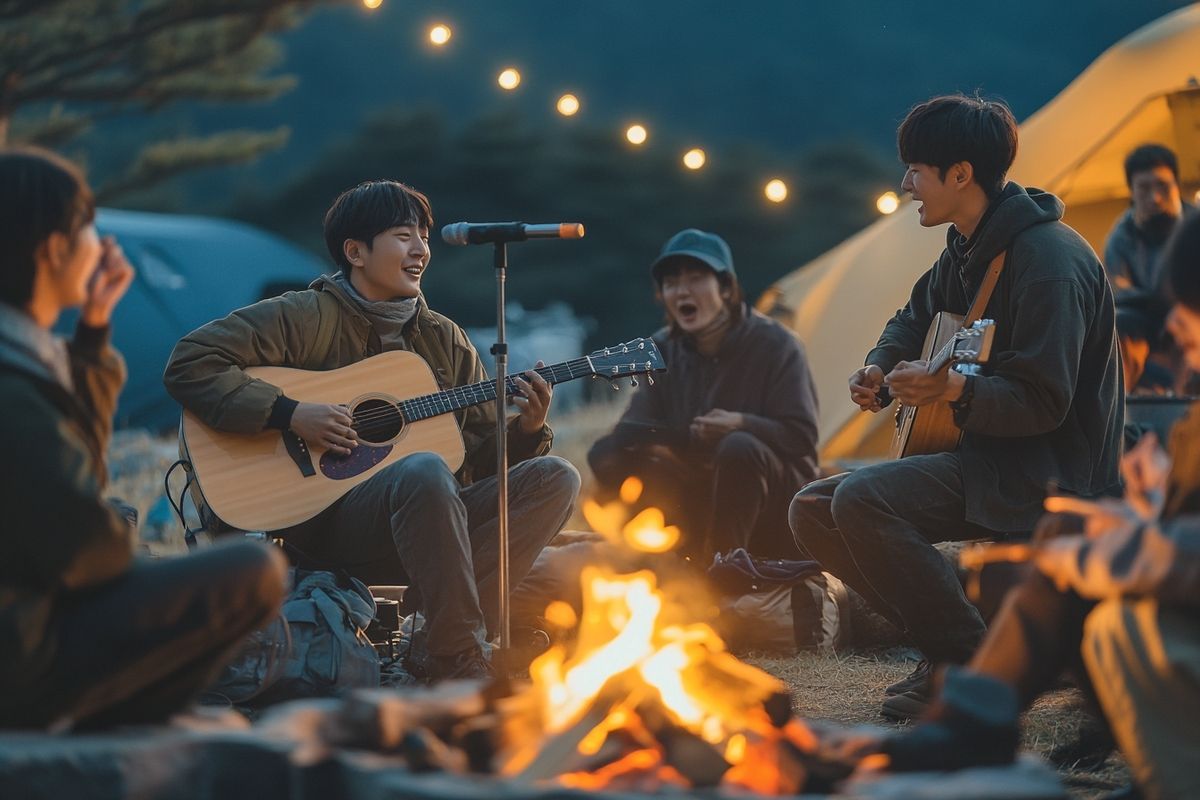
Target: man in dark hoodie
pixel 89 635
pixel 1049 408
pixel 724 438
pixel 414 521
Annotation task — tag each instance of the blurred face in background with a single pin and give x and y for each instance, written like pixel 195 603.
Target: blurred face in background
pixel 1155 196
pixel 692 296
pixel 68 264
pixel 1183 323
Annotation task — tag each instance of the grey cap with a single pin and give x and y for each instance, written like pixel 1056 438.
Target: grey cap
pixel 705 247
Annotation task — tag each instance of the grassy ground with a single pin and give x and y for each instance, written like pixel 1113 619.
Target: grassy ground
pixel 845 688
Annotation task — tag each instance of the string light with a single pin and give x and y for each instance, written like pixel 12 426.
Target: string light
pixel 887 203
pixel 439 34
pixel 509 79
pixel 568 105
pixel 776 190
pixel 372 4
pixel 694 158
pixel 636 134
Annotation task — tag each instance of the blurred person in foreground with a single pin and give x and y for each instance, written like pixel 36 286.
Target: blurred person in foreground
pixel 89 636
pixel 729 433
pixel 1119 602
pixel 1133 260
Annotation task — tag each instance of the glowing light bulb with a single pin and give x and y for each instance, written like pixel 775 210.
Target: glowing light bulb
pixel 694 158
pixel 636 134
pixel 439 34
pixel 776 190
pixel 372 4
pixel 568 105
pixel 887 203
pixel 509 79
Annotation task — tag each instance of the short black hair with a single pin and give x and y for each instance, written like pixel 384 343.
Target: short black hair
pixel 369 209
pixel 1181 259
pixel 42 194
pixel 1149 156
pixel 953 128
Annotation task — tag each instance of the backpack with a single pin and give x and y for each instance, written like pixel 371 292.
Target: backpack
pixel 316 647
pixel 778 605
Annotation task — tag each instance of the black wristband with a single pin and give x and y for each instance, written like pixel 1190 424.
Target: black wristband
pixel 962 406
pixel 281 413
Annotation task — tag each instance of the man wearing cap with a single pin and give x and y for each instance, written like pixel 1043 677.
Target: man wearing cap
pixel 729 433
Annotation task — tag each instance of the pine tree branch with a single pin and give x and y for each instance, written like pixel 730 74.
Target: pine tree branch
pixel 162 160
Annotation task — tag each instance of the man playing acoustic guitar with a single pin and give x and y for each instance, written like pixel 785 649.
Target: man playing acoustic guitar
pixel 414 521
pixel 1049 409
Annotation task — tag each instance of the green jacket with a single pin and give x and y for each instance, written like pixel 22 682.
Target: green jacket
pixel 322 328
pixel 58 531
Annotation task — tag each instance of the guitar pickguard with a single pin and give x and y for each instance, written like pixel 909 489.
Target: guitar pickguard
pixel 361 459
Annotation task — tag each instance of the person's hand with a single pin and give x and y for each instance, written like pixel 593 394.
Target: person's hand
pixel 107 286
pixel 1146 468
pixel 865 384
pixel 1100 517
pixel 715 425
pixel 329 426
pixel 911 384
pixel 534 400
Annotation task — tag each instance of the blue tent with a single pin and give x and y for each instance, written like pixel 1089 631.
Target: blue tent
pixel 190 270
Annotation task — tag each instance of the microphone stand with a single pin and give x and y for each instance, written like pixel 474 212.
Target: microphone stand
pixel 500 351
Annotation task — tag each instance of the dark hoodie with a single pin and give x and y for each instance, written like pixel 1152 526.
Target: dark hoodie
pixel 1049 406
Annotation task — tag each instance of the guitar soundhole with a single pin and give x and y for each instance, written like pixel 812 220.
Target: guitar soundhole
pixel 377 421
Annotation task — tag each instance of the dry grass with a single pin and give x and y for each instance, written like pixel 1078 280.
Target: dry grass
pixel 845 689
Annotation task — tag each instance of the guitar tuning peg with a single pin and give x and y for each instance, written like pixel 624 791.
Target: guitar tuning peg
pixel 649 380
pixel 615 386
pixel 633 381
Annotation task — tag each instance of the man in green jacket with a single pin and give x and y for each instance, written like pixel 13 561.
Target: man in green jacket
pixel 414 522
pixel 89 636
pixel 1048 408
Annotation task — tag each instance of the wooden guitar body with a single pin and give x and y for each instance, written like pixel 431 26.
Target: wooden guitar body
pixel 931 428
pixel 253 482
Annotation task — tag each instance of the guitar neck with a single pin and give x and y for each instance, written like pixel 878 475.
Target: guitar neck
pixel 432 405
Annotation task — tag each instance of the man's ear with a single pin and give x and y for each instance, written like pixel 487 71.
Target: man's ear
pixel 962 174
pixel 352 249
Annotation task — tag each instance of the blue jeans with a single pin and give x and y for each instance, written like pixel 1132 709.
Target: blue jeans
pixel 413 524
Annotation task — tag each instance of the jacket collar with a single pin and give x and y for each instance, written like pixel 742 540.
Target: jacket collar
pixel 26 347
pixel 424 318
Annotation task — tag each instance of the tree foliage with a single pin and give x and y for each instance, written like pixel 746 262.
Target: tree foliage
pixel 65 64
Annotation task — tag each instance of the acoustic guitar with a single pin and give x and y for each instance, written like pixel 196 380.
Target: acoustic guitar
pixel 931 428
pixel 274 479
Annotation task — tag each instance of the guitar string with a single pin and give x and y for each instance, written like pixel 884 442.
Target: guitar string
pixel 446 401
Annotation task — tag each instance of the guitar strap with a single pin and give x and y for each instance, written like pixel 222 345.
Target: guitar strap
pixel 979 304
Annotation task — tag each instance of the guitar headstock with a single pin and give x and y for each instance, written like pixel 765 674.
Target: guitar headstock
pixel 635 357
pixel 973 345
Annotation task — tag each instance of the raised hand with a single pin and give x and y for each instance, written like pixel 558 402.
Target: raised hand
pixel 329 426
pixel 107 286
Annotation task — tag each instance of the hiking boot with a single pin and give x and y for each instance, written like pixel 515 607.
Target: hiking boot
pixel 915 680
pixel 908 705
pixel 470 664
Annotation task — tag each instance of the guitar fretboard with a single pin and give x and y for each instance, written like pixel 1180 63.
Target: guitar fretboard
pixel 431 405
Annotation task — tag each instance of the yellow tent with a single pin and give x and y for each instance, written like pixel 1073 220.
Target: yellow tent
pixel 1143 89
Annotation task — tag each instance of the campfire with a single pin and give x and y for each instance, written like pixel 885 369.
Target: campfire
pixel 643 696
pixel 647 696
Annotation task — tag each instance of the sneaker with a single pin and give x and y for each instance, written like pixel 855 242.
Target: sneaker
pixel 470 664
pixel 915 680
pixel 907 705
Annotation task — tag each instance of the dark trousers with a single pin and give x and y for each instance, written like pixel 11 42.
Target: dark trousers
pixel 739 498
pixel 137 648
pixel 875 529
pixel 413 524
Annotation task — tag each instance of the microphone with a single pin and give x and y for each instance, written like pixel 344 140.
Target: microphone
pixel 495 232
